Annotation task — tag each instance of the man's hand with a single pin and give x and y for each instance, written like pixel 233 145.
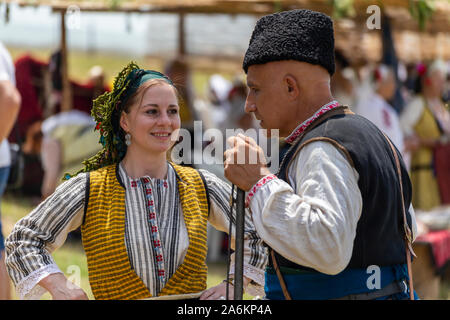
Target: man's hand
pixel 245 163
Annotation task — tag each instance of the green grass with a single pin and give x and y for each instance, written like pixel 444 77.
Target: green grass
pixel 71 258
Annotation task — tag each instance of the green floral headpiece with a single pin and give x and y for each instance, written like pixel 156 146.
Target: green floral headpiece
pixel 106 110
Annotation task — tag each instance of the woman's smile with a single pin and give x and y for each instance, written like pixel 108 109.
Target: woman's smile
pixel 161 135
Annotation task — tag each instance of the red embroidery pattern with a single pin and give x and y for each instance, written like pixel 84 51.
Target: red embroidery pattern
pixel 386 118
pixel 157 247
pixel 300 129
pixel 258 185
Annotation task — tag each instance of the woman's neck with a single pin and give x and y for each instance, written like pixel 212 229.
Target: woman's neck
pixel 137 165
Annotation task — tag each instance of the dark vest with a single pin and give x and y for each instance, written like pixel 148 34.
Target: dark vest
pixel 379 235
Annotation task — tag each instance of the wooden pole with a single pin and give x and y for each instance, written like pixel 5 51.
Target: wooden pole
pixel 66 99
pixel 239 246
pixel 181 35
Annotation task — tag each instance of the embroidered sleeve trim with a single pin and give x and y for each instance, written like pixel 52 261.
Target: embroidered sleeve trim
pixel 258 186
pixel 256 286
pixel 28 288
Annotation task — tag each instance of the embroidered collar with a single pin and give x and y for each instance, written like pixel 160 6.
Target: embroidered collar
pixel 123 176
pixel 301 128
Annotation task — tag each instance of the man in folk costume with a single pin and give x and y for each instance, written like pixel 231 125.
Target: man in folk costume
pixel 333 216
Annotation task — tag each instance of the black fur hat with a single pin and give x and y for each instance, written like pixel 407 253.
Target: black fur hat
pixel 302 35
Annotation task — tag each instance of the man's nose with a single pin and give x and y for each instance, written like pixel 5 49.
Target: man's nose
pixel 250 106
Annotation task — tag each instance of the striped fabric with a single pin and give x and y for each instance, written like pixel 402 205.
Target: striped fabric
pixel 110 273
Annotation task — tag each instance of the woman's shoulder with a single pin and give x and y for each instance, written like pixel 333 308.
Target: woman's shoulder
pixel 75 184
pixel 103 170
pixel 183 171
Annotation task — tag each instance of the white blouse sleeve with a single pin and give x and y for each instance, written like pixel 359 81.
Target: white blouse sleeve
pixel 255 253
pixel 411 115
pixel 37 235
pixel 313 223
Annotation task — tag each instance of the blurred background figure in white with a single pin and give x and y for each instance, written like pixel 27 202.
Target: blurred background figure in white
pixel 377 109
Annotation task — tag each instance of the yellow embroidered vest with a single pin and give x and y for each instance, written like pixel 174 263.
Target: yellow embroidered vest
pixel 103 233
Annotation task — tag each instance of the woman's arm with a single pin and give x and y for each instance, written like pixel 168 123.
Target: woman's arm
pixel 62 289
pixel 34 237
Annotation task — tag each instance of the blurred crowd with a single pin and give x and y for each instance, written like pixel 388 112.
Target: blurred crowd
pixel 47 142
pixel 410 105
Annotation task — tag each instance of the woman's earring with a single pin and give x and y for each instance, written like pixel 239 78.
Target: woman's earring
pixel 128 139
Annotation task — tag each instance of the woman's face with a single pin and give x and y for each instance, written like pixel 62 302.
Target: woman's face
pixel 154 122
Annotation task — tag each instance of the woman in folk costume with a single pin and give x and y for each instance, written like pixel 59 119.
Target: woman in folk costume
pixel 426 124
pixel 143 219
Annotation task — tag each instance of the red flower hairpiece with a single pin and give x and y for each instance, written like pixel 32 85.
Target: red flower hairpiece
pixel 377 74
pixel 421 69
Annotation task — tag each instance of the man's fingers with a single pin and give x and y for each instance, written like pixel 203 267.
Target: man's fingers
pixel 248 139
pixel 231 141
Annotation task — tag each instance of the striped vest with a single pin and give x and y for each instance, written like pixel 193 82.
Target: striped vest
pixel 103 232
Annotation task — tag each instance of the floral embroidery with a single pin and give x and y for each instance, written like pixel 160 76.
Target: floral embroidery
pixel 154 230
pixel 301 128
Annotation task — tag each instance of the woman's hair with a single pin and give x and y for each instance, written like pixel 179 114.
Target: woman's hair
pixel 136 98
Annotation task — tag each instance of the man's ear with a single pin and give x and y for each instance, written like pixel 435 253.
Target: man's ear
pixel 292 86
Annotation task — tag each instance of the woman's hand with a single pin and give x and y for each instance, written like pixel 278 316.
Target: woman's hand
pixel 61 288
pixel 219 292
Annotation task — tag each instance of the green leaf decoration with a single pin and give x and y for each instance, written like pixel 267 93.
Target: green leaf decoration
pixel 103 108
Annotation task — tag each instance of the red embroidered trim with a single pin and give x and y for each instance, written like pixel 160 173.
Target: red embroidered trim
pixel 258 185
pixel 300 129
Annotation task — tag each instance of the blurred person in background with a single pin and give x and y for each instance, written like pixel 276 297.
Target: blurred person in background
pixel 9 109
pixel 426 125
pixel 218 90
pixel 377 109
pixel 341 83
pixel 68 139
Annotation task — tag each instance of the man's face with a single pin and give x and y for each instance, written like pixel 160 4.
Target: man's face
pixel 265 97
